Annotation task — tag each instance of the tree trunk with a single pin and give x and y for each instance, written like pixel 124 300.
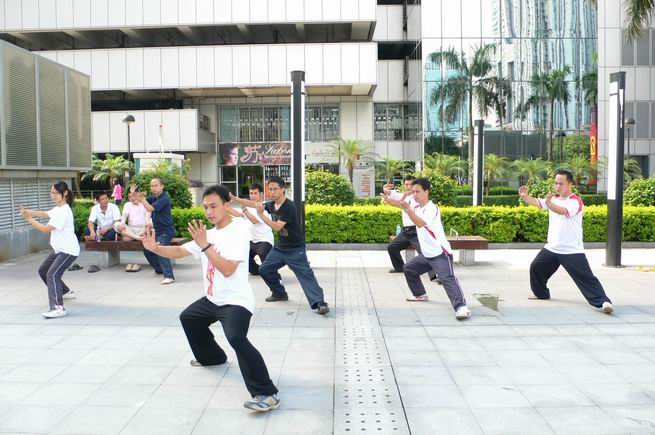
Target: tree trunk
pixel 78 181
pixel 470 133
pixel 551 106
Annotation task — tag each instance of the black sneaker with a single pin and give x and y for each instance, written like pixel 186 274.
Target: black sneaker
pixel 395 271
pixel 276 298
pixel 322 308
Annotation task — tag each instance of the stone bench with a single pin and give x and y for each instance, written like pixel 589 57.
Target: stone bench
pixel 466 245
pixel 110 251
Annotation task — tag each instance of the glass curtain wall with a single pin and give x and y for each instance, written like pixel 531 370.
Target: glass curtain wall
pixel 507 51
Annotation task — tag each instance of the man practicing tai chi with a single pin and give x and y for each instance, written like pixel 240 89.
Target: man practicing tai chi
pixel 564 246
pixel 289 248
pixel 436 251
pixel 228 298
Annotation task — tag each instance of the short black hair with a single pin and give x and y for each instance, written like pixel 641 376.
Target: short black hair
pixel 279 180
pixel 569 175
pixel 99 194
pixel 222 192
pixel 158 179
pixel 409 178
pixel 256 186
pixel 423 182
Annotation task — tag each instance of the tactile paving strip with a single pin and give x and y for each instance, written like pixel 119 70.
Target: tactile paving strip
pixel 366 395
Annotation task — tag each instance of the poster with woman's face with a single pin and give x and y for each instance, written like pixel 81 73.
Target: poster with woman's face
pixel 229 154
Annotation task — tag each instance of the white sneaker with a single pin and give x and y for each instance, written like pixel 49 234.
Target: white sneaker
pixel 262 403
pixel 69 295
pixel 462 313
pixel 607 308
pixel 167 281
pixel 54 313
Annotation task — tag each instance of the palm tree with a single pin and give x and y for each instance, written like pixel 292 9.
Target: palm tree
pixel 445 164
pixel 473 80
pixel 352 151
pixel 548 88
pixel 108 169
pixel 580 166
pixel 637 17
pixel 494 167
pixel 631 170
pixel 531 169
pixel 389 168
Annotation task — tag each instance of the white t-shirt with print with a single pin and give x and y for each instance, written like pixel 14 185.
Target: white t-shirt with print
pixel 63 238
pixel 233 243
pixel 106 219
pixel 259 232
pixel 407 222
pixel 431 236
pixel 565 230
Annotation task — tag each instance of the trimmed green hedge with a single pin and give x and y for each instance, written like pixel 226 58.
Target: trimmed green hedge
pixel 374 224
pixel 513 200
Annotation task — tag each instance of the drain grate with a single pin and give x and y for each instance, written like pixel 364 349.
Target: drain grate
pixel 367 396
pixel 360 421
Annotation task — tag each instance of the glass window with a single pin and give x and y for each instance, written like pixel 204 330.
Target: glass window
pixel 229 124
pixel 641 120
pixel 256 124
pixel 330 123
pixel 643 52
pixel 380 121
pixel 313 124
pixel 395 121
pixel 627 52
pixel 285 123
pixel 271 124
pixel 411 124
pixel 244 124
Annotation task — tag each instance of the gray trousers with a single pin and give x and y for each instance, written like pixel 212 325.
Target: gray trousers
pixel 51 271
pixel 443 265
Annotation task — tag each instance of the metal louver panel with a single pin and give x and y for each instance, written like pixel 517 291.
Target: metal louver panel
pixel 26 194
pixel 45 201
pixel 7 207
pixel 79 119
pixel 20 107
pixel 52 114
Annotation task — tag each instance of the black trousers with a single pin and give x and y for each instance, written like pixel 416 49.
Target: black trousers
pixel 404 240
pixel 197 318
pixel 546 264
pixel 260 249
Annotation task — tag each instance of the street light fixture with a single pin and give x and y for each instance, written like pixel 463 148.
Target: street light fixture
pixel 129 119
pixel 629 123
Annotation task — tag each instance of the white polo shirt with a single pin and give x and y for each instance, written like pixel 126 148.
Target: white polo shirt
pixel 63 238
pixel 233 243
pixel 431 236
pixel 398 196
pixel 565 230
pixel 260 232
pixel 106 219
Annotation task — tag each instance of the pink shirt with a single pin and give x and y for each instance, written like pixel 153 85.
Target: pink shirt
pixel 118 192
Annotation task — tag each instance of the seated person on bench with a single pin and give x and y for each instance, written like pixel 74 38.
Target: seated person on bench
pixel 102 218
pixel 134 219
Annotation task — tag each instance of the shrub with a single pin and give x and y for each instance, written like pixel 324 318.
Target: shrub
pixel 182 217
pixel 175 184
pixel 443 188
pixel 640 192
pixel 323 187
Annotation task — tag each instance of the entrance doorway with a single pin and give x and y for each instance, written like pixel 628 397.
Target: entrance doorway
pixel 247 176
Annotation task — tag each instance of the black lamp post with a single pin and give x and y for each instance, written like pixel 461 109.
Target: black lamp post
pixel 629 123
pixel 128 119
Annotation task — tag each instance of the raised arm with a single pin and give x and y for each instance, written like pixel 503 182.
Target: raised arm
pixel 198 231
pixel 250 216
pixel 413 216
pixel 151 244
pixel 29 217
pixel 242 201
pixel 530 200
pixel 275 225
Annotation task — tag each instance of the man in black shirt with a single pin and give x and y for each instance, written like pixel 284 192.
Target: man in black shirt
pixel 159 204
pixel 289 248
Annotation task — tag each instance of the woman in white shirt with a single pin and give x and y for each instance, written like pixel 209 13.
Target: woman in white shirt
pixel 65 246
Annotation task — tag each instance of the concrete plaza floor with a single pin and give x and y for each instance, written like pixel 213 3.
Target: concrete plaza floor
pixel 119 363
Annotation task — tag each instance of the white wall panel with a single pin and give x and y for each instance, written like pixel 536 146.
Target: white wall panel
pixel 99 15
pixel 137 131
pixel 240 11
pixel 332 10
pixel 258 11
pixel 382 90
pixel 116 12
pixel 223 66
pixel 170 120
pixel 134 14
pixel 380 33
pixel 186 12
pixel 99 69
pixel 364 120
pixel 258 65
pixel 169 11
pixel 222 11
pixel 205 70
pixel 314 9
pixel 13 15
pixel 395 80
pixel 368 56
pixel 314 63
pixel 277 65
pixel 52 55
pixel 81 14
pixel 188 65
pixel 30 14
pixel 118 132
pixel 151 68
pixel 152 121
pixel 349 10
pixel 295 59
pixel 204 11
pixel 100 132
pixel 134 63
pixel 66 58
pixel 48 14
pixel 332 63
pixel 2 14
pixel 394 23
pixel 82 60
pixel 349 68
pixel 151 12
pixel 295 10
pixel 117 69
pixel 188 120
pixel 348 119
pixel 170 73
pixel 240 65
pixel 367 9
pixel 277 11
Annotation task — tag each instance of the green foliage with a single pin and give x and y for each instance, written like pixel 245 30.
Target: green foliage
pixel 531 169
pixel 323 187
pixel 494 167
pixel 81 217
pixel 494 190
pixel 450 166
pixel 512 200
pixel 350 151
pixel 576 145
pixel 388 169
pixel 640 192
pixel 182 217
pixel 444 145
pixel 108 169
pixel 175 184
pixel 443 188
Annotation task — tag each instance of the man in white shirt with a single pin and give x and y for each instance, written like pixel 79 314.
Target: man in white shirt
pixel 227 295
pixel 564 246
pixel 101 220
pixel 261 235
pixel 436 253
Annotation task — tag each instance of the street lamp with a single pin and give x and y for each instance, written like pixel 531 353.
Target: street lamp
pixel 630 122
pixel 128 119
pixel 560 136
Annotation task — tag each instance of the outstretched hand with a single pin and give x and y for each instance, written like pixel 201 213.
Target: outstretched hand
pixel 198 231
pixel 523 191
pixel 132 188
pixel 149 239
pixel 549 197
pixel 404 205
pixel 26 213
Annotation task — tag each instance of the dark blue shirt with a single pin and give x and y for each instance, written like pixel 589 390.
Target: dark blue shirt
pixel 162 218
